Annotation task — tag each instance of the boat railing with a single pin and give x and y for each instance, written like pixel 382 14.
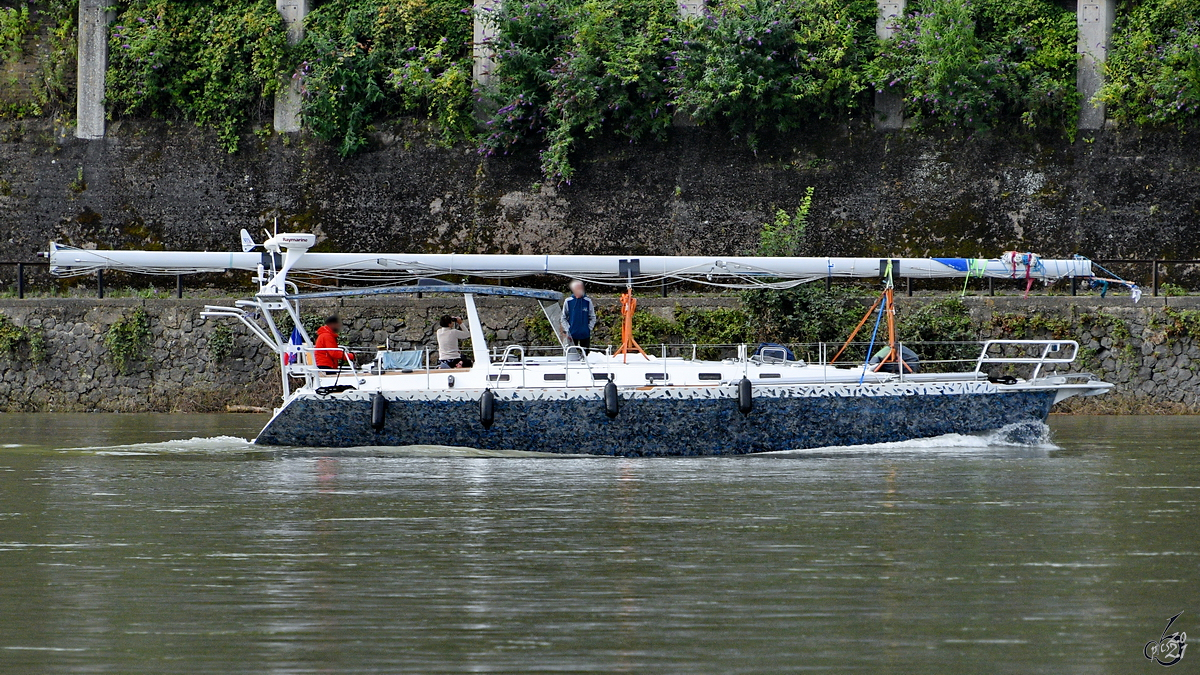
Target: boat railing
pixel 1035 353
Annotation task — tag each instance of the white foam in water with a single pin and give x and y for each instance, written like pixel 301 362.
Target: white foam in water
pixel 1020 435
pixel 193 445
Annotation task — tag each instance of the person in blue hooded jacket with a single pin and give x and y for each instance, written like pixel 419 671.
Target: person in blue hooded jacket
pixel 578 316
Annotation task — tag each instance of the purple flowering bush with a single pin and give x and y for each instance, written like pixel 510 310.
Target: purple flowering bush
pixel 215 63
pixel 773 65
pixel 570 70
pixel 1153 68
pixel 970 66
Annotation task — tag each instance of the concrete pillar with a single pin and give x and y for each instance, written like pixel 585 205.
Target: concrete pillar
pixel 92 60
pixel 889 106
pixel 691 8
pixel 1095 21
pixel 287 99
pixel 484 32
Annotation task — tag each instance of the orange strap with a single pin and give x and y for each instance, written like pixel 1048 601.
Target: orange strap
pixel 628 344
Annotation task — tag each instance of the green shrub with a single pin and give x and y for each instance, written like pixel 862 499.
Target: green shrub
pixel 362 60
pixel 47 88
pixel 14 26
pixel 946 320
pixel 774 65
pixel 569 69
pixel 128 341
pixel 1153 66
pixel 971 66
pixel 12 337
pixel 220 343
pixel 215 63
pixel 807 313
pixel 785 237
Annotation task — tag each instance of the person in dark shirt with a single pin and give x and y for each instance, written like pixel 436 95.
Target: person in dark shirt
pixel 578 316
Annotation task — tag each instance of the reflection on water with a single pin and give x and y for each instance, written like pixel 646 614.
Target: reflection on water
pixel 153 543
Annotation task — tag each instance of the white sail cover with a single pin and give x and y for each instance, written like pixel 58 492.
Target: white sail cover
pixel 65 261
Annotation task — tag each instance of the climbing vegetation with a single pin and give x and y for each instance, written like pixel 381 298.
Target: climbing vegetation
pixel 773 66
pixel 363 60
pixel 220 343
pixel 216 62
pixel 567 70
pixel 1153 67
pixel 14 25
pixel 128 341
pixel 21 341
pixel 972 65
pixel 37 58
pixel 785 236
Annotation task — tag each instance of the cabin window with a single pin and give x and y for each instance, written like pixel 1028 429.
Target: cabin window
pixel 656 376
pixel 768 376
pixel 550 377
pixel 498 378
pixel 710 376
pixel 599 376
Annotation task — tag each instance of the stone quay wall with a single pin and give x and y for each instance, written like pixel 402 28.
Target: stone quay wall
pixel 192 364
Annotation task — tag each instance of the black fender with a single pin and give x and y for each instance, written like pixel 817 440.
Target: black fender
pixel 379 406
pixel 612 400
pixel 745 396
pixel 487 409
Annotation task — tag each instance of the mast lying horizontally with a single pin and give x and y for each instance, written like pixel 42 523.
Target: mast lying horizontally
pixel 71 261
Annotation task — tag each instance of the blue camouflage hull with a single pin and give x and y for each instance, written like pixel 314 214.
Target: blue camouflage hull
pixel 653 426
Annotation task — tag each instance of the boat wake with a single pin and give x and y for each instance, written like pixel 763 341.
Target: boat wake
pixel 1030 435
pixel 195 445
pixel 1022 435
pixel 232 445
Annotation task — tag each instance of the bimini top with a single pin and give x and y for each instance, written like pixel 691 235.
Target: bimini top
pixel 435 287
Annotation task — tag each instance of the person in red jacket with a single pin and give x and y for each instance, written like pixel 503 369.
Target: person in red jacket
pixel 329 355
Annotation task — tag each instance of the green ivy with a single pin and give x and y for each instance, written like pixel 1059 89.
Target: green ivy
pixel 215 62
pixel 362 60
pixel 14 26
pixel 568 70
pixel 805 314
pixel 47 88
pixel 773 65
pixel 1178 324
pixel 128 341
pixel 220 343
pixel 1153 67
pixel 12 337
pixel 973 65
pixel 941 321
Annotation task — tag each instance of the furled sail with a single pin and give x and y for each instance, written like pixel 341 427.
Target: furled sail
pixel 65 261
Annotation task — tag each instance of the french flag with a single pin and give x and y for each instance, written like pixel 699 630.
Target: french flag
pixel 293 353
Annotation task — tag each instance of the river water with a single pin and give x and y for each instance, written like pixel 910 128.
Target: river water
pixel 156 543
